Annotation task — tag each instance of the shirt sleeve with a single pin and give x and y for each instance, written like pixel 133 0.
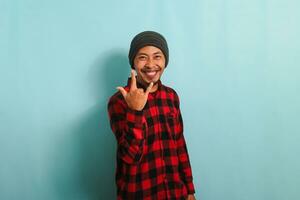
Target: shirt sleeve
pixel 128 127
pixel 184 161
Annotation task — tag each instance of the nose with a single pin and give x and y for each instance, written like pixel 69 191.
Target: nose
pixel 150 62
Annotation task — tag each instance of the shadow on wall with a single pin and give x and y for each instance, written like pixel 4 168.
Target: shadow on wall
pixel 98 144
pixel 91 141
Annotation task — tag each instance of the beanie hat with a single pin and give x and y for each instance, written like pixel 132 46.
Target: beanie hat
pixel 148 38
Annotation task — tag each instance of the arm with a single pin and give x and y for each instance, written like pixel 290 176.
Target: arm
pixel 127 122
pixel 128 127
pixel 184 162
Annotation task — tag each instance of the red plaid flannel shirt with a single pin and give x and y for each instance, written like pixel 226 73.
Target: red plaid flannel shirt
pixel 152 157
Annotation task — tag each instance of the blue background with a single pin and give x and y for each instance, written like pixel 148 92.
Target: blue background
pixel 234 63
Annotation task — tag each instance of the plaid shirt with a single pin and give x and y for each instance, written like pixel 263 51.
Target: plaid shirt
pixel 152 157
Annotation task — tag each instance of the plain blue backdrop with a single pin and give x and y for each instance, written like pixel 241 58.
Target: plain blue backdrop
pixel 234 63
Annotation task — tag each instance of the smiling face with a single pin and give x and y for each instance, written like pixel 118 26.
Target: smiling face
pixel 149 64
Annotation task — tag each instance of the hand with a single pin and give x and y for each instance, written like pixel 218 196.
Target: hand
pixel 190 197
pixel 136 98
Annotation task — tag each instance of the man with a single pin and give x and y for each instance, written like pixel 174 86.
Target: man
pixel 152 158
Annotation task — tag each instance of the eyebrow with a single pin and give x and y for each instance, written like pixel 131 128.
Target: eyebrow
pixel 158 52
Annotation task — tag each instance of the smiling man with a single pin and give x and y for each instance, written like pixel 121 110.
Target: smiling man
pixel 145 117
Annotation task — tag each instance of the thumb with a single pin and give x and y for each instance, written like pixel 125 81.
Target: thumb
pixel 123 91
pixel 149 88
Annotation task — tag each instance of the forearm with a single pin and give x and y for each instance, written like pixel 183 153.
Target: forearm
pixel 131 140
pixel 128 127
pixel 185 166
pixel 184 161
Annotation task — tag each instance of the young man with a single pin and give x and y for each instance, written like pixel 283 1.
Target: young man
pixel 152 158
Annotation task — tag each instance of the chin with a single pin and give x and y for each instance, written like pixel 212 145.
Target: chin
pixel 154 81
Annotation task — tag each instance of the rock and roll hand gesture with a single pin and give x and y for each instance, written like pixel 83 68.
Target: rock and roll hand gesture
pixel 136 98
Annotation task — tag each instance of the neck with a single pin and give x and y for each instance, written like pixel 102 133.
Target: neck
pixel 146 85
pixel 154 88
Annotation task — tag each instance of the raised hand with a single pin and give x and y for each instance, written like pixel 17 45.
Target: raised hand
pixel 136 98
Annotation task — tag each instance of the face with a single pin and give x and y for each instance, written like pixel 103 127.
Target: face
pixel 149 65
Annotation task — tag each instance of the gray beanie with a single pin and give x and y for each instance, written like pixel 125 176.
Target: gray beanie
pixel 148 38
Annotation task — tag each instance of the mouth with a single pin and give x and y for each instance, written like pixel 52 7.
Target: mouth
pixel 150 74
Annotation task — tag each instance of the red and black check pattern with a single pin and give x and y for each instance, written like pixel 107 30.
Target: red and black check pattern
pixel 152 158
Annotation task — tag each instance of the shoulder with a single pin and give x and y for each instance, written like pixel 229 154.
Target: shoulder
pixel 172 95
pixel 116 99
pixel 171 92
pixel 117 96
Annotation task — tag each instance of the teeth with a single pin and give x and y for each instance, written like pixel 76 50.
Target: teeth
pixel 151 73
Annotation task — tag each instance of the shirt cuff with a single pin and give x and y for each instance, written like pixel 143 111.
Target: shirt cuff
pixel 190 188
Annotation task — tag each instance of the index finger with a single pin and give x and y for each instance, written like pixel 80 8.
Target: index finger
pixel 133 80
pixel 149 88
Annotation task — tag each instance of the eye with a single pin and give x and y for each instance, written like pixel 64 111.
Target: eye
pixel 142 57
pixel 157 57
